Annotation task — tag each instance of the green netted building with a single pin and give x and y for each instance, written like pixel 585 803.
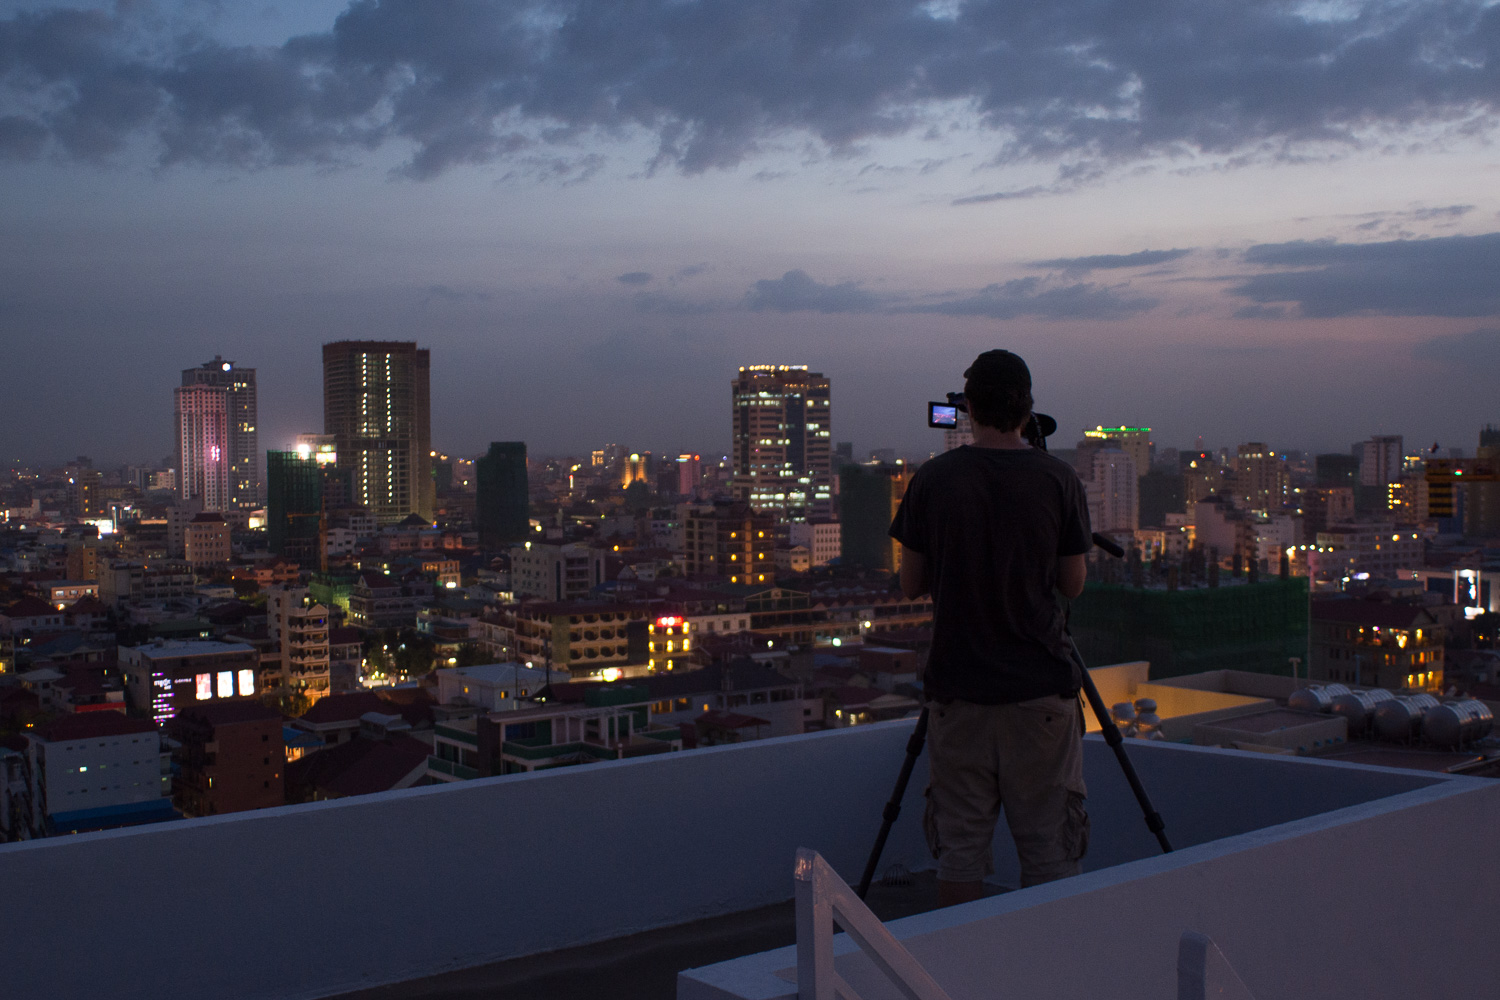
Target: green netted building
pixel 1238 626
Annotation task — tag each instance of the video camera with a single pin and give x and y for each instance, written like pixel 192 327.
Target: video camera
pixel 944 416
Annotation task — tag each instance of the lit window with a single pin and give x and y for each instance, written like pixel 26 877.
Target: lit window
pixel 247 683
pixel 226 684
pixel 204 686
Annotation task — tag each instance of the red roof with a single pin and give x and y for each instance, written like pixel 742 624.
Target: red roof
pixel 337 708
pixel 87 605
pixel 360 766
pixel 30 607
pixel 94 726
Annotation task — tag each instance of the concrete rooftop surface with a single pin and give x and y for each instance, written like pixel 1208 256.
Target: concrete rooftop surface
pixel 1315 878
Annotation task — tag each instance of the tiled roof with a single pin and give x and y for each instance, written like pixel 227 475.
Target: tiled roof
pixel 729 720
pixel 360 766
pixel 344 708
pixel 30 607
pixel 229 712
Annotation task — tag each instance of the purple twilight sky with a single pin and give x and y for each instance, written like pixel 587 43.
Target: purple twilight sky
pixel 1239 219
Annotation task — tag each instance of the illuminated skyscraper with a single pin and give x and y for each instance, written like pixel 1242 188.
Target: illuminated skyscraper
pixel 782 419
pixel 239 446
pixel 376 404
pixel 202 418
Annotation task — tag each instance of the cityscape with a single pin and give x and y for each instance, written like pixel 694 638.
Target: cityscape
pixel 567 652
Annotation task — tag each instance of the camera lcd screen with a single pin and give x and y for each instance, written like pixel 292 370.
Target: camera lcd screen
pixel 942 415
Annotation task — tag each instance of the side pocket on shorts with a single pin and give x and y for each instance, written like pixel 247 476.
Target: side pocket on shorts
pixel 929 824
pixel 1078 826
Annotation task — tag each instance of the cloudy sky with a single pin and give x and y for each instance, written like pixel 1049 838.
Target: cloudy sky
pixel 1231 218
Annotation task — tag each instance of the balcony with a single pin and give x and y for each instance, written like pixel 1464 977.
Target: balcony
pixel 1315 878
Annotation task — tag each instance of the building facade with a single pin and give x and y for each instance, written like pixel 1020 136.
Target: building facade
pixel 869 496
pixel 1114 491
pixel 163 678
pixel 96 771
pixel 730 541
pixel 502 501
pixel 242 433
pixel 201 415
pixel 566 572
pixel 230 757
pixel 377 407
pixel 782 415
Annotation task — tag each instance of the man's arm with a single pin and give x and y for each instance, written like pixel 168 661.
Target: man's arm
pixel 914 573
pixel 1071 571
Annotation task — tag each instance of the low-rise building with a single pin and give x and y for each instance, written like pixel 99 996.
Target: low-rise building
pixel 162 678
pixel 1377 644
pixel 98 771
pixel 566 572
pixel 206 540
pixel 230 757
pixel 381 601
pixel 820 537
pixel 493 687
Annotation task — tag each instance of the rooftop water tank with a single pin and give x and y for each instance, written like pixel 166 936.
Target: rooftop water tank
pixel 1457 722
pixel 1400 719
pixel 1358 708
pixel 1318 698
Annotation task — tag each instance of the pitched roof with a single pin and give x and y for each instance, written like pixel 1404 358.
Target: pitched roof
pixel 30 607
pixel 94 726
pixel 360 766
pixel 87 605
pixel 729 720
pixel 344 708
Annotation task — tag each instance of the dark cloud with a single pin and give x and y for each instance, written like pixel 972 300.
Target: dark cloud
pixel 1442 276
pixel 796 292
pixel 21 138
pixel 1475 350
pixel 1113 261
pixel 1036 190
pixel 1036 298
pixel 634 278
pixel 1077 82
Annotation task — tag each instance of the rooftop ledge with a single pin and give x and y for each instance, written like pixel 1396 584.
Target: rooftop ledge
pixel 1315 878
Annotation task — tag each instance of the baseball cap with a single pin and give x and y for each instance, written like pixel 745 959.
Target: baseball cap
pixel 1001 369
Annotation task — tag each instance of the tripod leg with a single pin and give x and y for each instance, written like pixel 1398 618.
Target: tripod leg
pixel 893 807
pixel 1116 742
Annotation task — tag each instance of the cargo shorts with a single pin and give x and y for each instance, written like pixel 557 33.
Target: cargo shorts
pixel 1025 758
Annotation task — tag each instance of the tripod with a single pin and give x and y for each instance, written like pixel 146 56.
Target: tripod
pixel 1111 733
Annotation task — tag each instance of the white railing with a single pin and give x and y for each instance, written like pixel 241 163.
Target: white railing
pixel 1203 973
pixel 824 898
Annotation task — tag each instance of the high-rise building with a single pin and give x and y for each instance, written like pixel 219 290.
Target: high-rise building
pixel 1133 441
pixel 960 434
pixel 376 405
pixel 1482 503
pixel 1114 492
pixel 294 505
pixel 868 498
pixel 202 417
pixel 688 474
pixel 502 500
pixel 782 418
pixel 1380 460
pixel 239 449
pixel 1260 477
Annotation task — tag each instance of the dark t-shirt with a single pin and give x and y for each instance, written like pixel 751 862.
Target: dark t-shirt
pixel 991 524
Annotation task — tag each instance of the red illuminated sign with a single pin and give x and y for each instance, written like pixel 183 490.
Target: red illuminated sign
pixel 669 621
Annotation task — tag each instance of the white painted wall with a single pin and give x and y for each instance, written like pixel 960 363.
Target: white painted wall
pixel 738 814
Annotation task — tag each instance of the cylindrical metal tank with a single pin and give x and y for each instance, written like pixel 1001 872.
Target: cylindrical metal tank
pixel 1358 708
pixel 1400 719
pixel 1317 698
pixel 1457 722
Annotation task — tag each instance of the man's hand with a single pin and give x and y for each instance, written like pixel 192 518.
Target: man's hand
pixel 914 573
pixel 1071 571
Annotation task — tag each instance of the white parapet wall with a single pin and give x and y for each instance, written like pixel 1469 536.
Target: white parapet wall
pixel 1384 899
pixel 313 900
